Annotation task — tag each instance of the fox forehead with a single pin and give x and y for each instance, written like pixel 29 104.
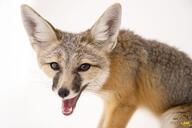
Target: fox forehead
pixel 74 49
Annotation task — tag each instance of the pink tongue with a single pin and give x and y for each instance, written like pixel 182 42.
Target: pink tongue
pixel 69 105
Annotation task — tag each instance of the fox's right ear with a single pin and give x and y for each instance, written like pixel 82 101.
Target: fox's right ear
pixel 41 32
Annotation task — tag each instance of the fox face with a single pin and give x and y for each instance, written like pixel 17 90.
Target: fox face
pixel 75 61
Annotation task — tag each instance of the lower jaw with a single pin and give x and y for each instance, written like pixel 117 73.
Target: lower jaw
pixel 67 113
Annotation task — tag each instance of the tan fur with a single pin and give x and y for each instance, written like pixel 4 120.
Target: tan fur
pixel 125 96
pixel 153 98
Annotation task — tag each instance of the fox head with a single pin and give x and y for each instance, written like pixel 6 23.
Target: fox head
pixel 75 61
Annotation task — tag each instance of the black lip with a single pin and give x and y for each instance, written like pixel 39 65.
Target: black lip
pixel 80 93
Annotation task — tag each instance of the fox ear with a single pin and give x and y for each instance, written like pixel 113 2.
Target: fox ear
pixel 107 27
pixel 41 32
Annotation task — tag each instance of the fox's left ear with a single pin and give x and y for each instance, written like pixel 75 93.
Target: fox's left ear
pixel 41 32
pixel 106 29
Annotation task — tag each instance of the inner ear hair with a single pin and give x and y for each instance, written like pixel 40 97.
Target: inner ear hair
pixel 107 27
pixel 39 30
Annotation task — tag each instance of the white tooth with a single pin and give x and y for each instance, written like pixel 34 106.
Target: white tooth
pixel 69 111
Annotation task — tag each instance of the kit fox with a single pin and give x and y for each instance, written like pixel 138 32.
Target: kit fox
pixel 125 69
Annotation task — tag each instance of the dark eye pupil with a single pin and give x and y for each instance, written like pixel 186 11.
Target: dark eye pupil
pixel 84 67
pixel 54 66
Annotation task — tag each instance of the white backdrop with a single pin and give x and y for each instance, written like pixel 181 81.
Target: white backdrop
pixel 26 99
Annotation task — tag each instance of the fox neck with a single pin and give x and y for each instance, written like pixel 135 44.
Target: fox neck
pixel 130 80
pixel 116 84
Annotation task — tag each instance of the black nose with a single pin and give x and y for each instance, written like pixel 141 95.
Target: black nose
pixel 63 92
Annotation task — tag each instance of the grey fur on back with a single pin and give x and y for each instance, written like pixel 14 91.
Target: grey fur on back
pixel 174 66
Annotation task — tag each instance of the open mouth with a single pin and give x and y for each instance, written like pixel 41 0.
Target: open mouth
pixel 68 105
